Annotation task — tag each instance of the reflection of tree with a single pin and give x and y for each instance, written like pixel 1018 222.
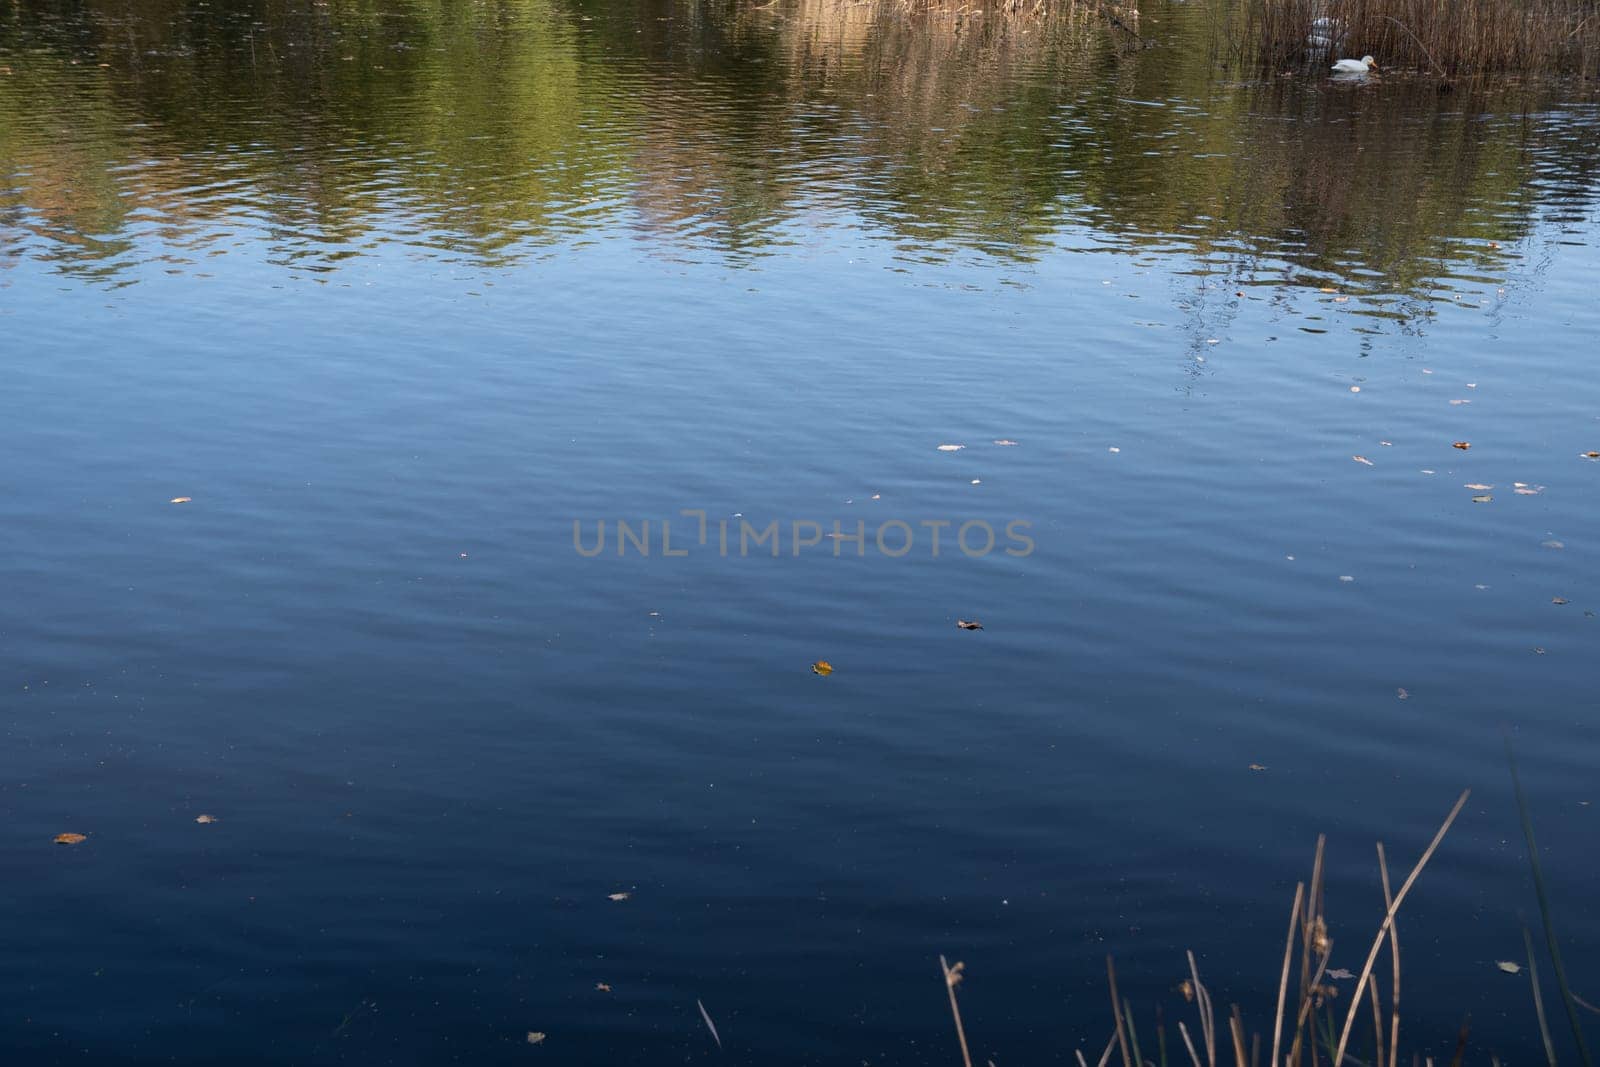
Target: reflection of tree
pixel 484 130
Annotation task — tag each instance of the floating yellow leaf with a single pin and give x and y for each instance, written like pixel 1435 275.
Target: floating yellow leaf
pixel 181 499
pixel 1508 967
pixel 535 1037
pixel 822 667
pixel 618 896
pixel 70 839
pixel 969 624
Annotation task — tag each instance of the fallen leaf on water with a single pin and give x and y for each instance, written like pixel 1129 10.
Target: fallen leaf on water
pixel 969 624
pixel 70 839
pixel 951 448
pixel 1387 444
pixel 1346 578
pixel 1528 490
pixel 1463 445
pixel 1591 455
pixel 1476 485
pixel 1340 299
pixel 1403 693
pixel 1486 498
pixel 1457 403
pixel 1257 767
pixel 618 896
pixel 1007 442
pixel 1113 448
pixel 535 1037
pixel 181 499
pixel 1508 967
pixel 1340 972
pixel 822 667
pixel 602 987
pixel 1551 544
pixel 1558 600
pixel 205 820
pixel 1327 289
pixel 1355 388
pixel 1363 459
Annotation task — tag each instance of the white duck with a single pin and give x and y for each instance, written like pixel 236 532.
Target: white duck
pixel 1355 66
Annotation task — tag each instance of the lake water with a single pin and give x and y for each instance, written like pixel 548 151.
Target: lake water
pixel 397 293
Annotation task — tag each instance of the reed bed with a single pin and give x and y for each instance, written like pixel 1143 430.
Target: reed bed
pixel 1446 38
pixel 1306 1030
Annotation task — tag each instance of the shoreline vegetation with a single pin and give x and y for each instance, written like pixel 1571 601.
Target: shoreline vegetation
pixel 1308 1030
pixel 1444 39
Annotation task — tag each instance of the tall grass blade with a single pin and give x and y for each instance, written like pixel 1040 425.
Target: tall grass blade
pixel 1538 999
pixel 1544 911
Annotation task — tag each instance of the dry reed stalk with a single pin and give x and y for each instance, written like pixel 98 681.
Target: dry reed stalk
pixel 1388 920
pixel 1394 953
pixel 1283 981
pixel 1305 1009
pixel 1208 1020
pixel 1193 1055
pixel 1116 1013
pixel 1377 1022
pixel 1236 1028
pixel 952 975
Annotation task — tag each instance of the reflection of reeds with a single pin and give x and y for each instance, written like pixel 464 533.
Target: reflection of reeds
pixel 1313 1038
pixel 1465 36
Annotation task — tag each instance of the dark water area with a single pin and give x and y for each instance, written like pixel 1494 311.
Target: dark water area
pixel 398 293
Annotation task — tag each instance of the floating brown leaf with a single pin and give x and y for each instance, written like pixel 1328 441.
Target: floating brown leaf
pixel 1463 445
pixel 70 839
pixel 822 667
pixel 602 987
pixel 1558 600
pixel 1257 767
pixel 969 624
pixel 618 896
pixel 205 820
pixel 1591 455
